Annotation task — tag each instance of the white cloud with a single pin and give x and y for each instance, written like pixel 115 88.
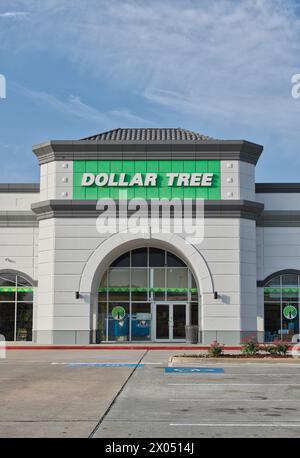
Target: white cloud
pixel 73 106
pixel 211 62
pixel 14 15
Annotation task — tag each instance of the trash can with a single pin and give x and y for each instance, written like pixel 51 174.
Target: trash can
pixel 191 334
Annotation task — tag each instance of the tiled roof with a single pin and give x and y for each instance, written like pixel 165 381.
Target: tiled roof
pixel 146 135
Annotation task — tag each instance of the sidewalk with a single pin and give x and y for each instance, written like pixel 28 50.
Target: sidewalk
pixel 114 346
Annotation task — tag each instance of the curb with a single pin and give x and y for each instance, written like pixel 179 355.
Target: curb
pixel 111 347
pixel 194 360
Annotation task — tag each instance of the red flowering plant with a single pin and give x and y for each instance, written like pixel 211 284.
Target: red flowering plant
pixel 251 347
pixel 277 348
pixel 215 350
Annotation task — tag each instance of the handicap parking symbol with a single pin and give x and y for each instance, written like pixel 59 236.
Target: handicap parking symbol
pixel 194 370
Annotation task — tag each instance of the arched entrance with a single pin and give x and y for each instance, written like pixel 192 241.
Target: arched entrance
pixel 281 305
pixel 147 294
pixel 116 245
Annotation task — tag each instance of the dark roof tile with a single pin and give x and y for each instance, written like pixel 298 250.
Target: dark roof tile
pixel 149 135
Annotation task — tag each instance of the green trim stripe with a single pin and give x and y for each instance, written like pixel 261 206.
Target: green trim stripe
pixel 269 289
pixel 142 290
pixel 7 289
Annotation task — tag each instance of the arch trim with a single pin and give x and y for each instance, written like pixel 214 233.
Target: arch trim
pixel 120 243
pixel 21 274
pixel 262 283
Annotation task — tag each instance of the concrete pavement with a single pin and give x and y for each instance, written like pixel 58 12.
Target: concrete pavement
pixel 248 400
pixel 43 395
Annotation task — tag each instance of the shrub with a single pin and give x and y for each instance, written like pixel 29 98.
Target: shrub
pixel 215 350
pixel 278 348
pixel 251 347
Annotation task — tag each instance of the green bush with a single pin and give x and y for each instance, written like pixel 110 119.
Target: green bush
pixel 278 348
pixel 215 350
pixel 251 347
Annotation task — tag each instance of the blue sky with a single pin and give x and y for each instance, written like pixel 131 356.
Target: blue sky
pixel 220 67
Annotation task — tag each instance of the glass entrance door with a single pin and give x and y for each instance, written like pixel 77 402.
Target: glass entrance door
pixel 169 321
pixel 179 321
pixel 163 322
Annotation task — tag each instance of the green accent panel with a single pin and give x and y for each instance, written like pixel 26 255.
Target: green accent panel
pixel 190 166
pixel 129 166
pixel 202 166
pixel 114 193
pixel 77 179
pixel 160 167
pixel 15 289
pixel 152 166
pixel 130 193
pixel 269 289
pixel 152 193
pixel 213 166
pixel 165 193
pixel 189 193
pixel 142 290
pixel 92 193
pixel 165 166
pixel 213 194
pixel 116 166
pixel 79 193
pixel 93 166
pixel 201 193
pixel 139 166
pixel 103 167
pixel 177 166
pixel 79 166
pixel 178 192
pixel 102 193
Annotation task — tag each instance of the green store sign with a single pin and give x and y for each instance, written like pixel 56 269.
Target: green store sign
pixel 147 179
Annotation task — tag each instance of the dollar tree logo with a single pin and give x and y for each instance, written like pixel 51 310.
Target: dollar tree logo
pixel 290 312
pixel 118 313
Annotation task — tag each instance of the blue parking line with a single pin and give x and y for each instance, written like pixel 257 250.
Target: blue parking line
pixel 194 370
pixel 104 365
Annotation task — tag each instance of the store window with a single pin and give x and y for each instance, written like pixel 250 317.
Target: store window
pixel 132 283
pixel 281 299
pixel 16 307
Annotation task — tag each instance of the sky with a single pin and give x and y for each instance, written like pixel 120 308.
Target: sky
pixel 223 68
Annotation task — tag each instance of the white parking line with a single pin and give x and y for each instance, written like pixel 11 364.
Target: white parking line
pixel 263 365
pixel 100 362
pixel 234 384
pixel 239 425
pixel 250 374
pixel 234 400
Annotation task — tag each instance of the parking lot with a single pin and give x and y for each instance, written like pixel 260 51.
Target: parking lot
pixel 105 394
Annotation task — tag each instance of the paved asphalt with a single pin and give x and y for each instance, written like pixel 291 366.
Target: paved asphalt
pixel 44 394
